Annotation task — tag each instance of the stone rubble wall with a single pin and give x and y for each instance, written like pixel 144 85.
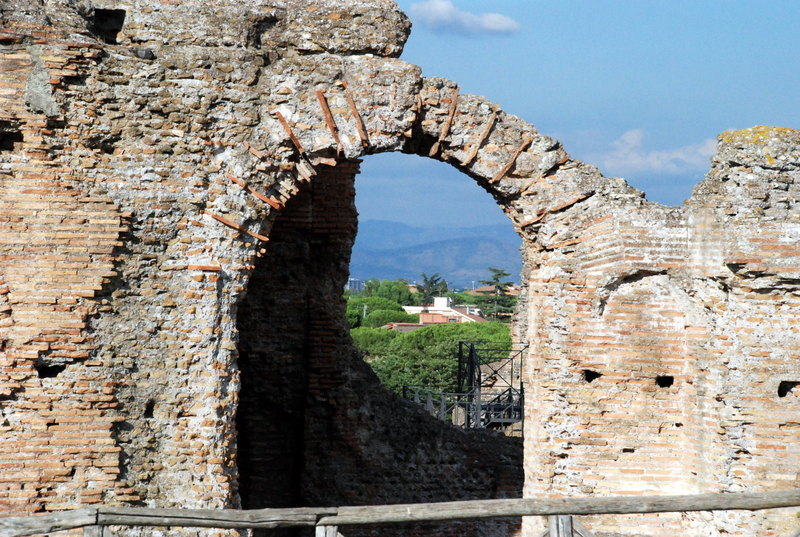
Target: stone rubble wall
pixel 689 315
pixel 145 320
pixel 123 297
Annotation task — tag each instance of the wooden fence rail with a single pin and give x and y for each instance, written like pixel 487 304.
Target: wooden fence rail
pixel 382 514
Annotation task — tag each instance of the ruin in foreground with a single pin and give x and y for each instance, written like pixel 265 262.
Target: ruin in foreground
pixel 176 218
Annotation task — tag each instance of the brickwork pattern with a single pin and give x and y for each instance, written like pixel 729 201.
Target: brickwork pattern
pixel 144 173
pixel 666 346
pixel 58 248
pixel 155 136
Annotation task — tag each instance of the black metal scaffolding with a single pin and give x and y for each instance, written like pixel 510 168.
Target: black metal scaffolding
pixel 489 394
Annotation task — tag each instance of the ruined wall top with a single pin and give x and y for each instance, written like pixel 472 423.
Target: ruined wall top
pixel 303 27
pixel 755 174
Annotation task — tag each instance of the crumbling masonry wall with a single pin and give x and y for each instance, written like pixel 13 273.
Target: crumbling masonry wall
pixel 171 338
pixel 175 226
pixel 666 344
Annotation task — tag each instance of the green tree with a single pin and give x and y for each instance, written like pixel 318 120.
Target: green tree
pixel 431 286
pixel 359 307
pixel 372 341
pixel 429 356
pixel 461 297
pixel 497 302
pixel 378 318
pixel 370 286
pixel 395 290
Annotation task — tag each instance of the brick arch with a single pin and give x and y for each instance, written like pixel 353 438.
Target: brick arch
pixel 382 105
pixel 161 381
pixel 360 105
pixel 310 138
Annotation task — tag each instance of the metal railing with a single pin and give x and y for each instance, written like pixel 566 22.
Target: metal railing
pixel 490 391
pixel 471 410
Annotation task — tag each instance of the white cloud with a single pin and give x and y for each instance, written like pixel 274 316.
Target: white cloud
pixel 629 156
pixel 444 15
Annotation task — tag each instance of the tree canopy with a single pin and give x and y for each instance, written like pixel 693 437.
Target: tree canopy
pixel 359 307
pixel 496 302
pixel 431 286
pixel 427 356
pixel 394 290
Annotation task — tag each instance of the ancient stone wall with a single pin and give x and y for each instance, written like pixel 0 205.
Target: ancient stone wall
pixel 170 336
pixel 175 225
pixel 666 346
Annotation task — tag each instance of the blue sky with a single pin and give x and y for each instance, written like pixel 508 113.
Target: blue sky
pixel 639 88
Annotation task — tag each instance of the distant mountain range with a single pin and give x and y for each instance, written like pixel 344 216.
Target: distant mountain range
pixel 461 255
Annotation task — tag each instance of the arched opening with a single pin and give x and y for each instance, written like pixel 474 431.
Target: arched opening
pixel 420 215
pixel 349 440
pixel 314 425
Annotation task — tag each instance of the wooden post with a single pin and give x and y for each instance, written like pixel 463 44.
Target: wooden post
pixel 560 525
pixel 327 531
pixel 429 403
pixel 579 529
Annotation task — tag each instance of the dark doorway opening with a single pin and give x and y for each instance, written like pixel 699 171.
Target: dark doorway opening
pixel 10 136
pixel 107 24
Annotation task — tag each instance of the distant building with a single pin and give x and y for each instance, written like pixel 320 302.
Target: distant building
pixel 513 290
pixel 354 284
pixel 442 312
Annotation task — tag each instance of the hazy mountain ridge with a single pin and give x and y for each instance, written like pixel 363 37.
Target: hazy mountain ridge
pixel 392 250
pixel 387 235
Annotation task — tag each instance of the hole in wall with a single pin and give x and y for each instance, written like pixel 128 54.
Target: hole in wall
pixel 104 143
pixel 665 381
pixel 10 136
pixel 149 408
pixel 48 371
pixel 628 450
pixel 786 386
pixel 107 24
pixel 255 35
pixel 591 376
